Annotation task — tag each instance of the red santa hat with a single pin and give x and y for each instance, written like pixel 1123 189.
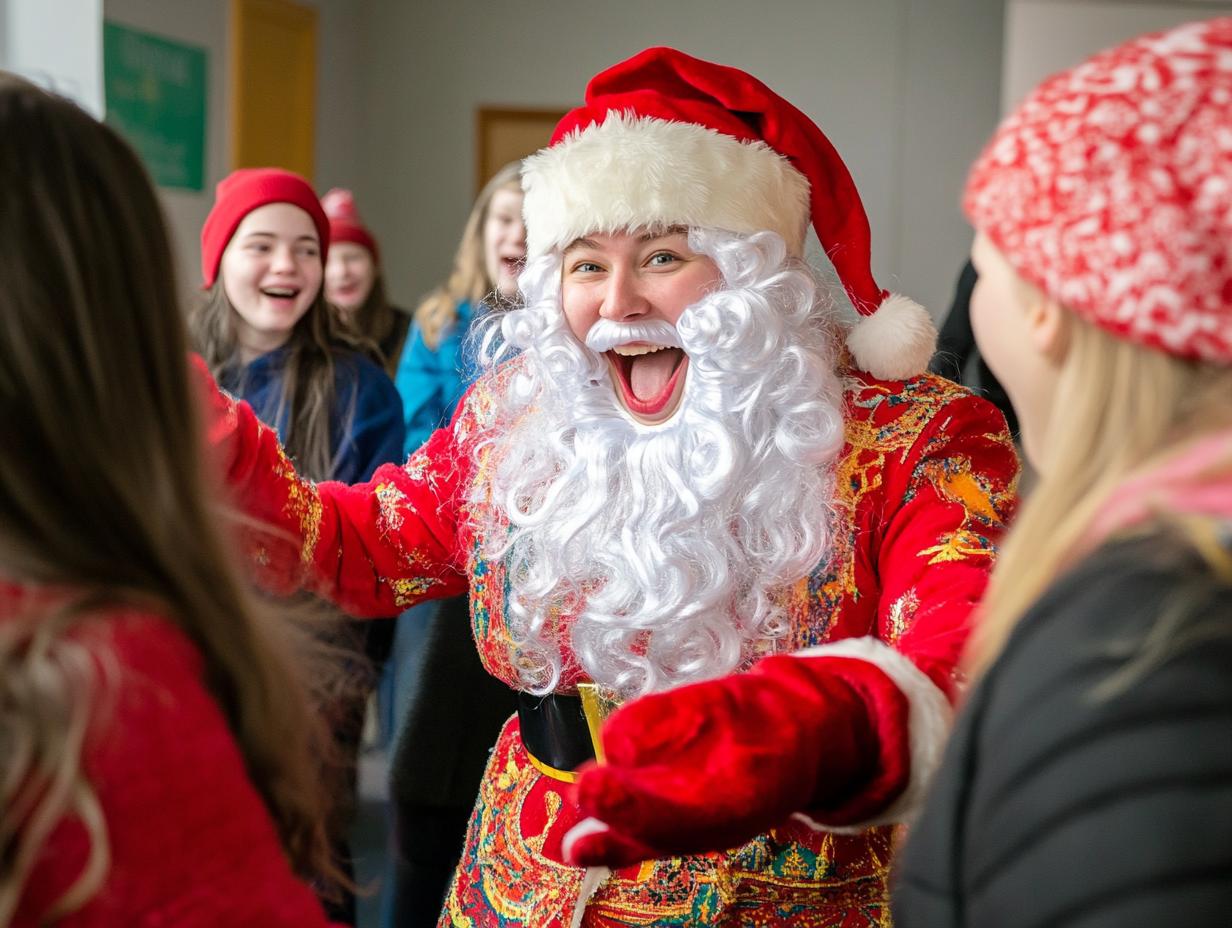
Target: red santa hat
pixel 242 191
pixel 1110 189
pixel 668 139
pixel 344 222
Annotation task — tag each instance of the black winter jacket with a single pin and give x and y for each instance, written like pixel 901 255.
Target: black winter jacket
pixel 1086 784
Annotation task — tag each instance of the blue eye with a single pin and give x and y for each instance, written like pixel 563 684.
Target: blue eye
pixel 662 258
pixel 586 267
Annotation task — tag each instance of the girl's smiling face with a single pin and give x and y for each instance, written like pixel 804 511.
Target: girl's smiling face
pixel 504 241
pixel 350 273
pixel 271 273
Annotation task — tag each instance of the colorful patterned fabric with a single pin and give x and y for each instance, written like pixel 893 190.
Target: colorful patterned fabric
pixel 1110 188
pixel 925 485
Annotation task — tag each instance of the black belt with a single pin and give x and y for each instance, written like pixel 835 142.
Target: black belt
pixel 561 731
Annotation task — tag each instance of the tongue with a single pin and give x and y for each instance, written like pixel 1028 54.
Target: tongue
pixel 649 373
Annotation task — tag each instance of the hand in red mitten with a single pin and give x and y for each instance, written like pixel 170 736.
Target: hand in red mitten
pixel 712 765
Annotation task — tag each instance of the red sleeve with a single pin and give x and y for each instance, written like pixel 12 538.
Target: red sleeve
pixel 374 548
pixel 952 499
pixel 946 506
pixel 191 842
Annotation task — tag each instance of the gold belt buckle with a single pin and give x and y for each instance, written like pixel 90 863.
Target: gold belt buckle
pixel 597 705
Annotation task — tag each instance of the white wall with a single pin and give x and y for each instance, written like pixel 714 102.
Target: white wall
pixel 205 23
pixel 58 44
pixel 907 90
pixel 1046 36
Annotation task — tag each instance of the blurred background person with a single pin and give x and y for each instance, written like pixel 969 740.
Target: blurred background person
pixel 269 338
pixel 160 746
pixel 434 654
pixel 354 284
pixel 958 357
pixel 440 363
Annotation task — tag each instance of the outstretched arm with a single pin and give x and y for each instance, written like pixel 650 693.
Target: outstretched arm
pixel 373 549
pixel 845 734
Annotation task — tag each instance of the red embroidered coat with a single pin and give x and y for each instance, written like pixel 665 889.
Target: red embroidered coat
pixel 925 484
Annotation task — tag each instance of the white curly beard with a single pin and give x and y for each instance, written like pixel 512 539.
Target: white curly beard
pixel 669 545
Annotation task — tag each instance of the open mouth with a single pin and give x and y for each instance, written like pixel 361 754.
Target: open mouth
pixel 281 293
pixel 281 296
pixel 649 378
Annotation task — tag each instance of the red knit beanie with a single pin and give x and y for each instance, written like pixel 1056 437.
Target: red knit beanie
pixel 242 191
pixel 344 222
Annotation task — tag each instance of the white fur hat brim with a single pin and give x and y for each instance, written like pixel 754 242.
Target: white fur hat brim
pixel 632 172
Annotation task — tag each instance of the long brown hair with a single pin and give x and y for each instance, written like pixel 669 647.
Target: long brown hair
pixel 1122 408
pixel 468 281
pixel 309 391
pixel 376 320
pixel 104 495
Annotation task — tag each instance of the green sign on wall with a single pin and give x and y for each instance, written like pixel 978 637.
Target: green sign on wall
pixel 156 91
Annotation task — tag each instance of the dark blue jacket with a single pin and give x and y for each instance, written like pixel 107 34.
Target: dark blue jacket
pixel 366 425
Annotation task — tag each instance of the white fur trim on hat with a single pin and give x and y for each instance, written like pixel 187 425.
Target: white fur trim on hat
pixel 631 172
pixel 929 717
pixel 896 342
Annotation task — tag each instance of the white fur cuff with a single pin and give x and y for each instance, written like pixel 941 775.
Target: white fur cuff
pixel 929 719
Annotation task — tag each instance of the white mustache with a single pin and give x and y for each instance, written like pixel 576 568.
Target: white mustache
pixel 605 334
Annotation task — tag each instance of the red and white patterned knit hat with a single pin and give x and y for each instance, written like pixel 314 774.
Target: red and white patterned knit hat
pixel 1110 188
pixel 668 139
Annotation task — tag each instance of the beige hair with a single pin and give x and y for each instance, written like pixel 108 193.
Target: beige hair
pixel 106 498
pixel 468 281
pixel 1121 407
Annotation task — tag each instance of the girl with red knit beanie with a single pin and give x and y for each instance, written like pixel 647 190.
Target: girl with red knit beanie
pixel 354 283
pixel 268 337
pixel 267 334
pixel 159 753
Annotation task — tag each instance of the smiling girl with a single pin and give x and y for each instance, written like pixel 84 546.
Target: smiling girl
pixel 355 283
pixel 269 337
pixel 436 367
pixel 267 334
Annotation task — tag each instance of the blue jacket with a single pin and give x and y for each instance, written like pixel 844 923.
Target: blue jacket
pixel 431 383
pixel 365 421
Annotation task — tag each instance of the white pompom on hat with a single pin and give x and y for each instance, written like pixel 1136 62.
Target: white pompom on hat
pixel 667 139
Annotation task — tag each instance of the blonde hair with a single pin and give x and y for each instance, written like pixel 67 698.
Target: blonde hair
pixel 468 281
pixel 107 498
pixel 1121 408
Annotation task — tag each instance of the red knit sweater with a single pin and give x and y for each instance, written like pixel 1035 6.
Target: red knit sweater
pixel 191 842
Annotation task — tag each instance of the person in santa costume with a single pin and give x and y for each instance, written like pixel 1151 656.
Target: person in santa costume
pixel 681 464
pixel 1088 781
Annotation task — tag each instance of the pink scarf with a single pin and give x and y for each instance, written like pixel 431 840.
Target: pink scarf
pixel 1197 481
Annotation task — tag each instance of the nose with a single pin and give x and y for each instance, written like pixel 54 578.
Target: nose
pixel 282 260
pixel 622 298
pixel 519 234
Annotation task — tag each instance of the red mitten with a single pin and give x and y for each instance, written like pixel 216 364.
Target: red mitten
pixel 712 765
